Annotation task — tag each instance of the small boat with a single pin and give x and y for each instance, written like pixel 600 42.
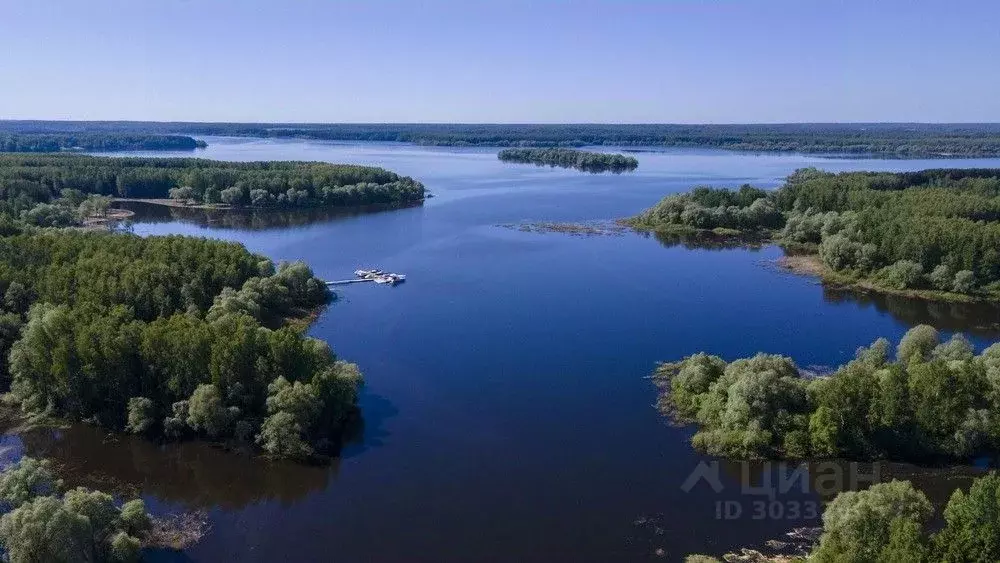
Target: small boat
pixel 391 279
pixel 379 276
pixel 367 273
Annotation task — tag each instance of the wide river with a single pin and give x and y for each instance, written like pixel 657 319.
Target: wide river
pixel 508 414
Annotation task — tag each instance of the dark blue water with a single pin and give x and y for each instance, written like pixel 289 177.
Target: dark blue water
pixel 507 413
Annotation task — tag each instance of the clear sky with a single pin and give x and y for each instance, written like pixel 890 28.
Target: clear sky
pixel 501 61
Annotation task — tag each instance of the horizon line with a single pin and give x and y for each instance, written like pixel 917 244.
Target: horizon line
pixel 471 123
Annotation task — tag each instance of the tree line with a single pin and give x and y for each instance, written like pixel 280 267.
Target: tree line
pixel 893 522
pixel 931 230
pixel 568 158
pixel 26 180
pixel 876 139
pixel 96 142
pixel 931 400
pixel 170 337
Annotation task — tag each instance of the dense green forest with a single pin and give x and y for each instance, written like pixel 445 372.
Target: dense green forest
pixel 44 521
pixel 877 139
pixel 934 230
pixel 570 158
pixel 26 180
pixel 91 325
pixel 98 142
pixel 893 522
pixel 91 322
pixel 930 400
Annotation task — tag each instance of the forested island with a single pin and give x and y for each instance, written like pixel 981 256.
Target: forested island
pixel 60 183
pixel 888 140
pixel 928 400
pixel 92 323
pixel 934 233
pixel 925 401
pixel 96 142
pixel 569 158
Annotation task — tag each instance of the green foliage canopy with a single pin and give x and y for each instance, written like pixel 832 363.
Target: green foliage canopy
pixel 929 403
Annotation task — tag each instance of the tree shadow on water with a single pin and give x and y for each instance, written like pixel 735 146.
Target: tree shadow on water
pixel 978 319
pixel 370 431
pixel 193 474
pixel 161 555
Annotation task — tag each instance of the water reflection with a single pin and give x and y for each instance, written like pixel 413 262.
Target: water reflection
pixel 979 319
pixel 195 475
pixel 250 219
pixel 707 240
pixel 370 431
pixel 828 478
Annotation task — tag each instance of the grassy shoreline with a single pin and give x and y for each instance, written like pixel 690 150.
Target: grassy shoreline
pixel 811 265
pixel 803 259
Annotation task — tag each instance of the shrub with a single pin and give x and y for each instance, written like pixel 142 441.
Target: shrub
pixel 904 274
pixel 839 252
pixel 206 412
pixel 965 282
pixel 917 344
pixel 941 278
pixel 858 526
pixel 141 414
pixel 972 529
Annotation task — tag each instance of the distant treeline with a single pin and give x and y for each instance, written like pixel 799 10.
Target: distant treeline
pixel 100 142
pixel 28 180
pixel 570 158
pixel 930 230
pixel 877 139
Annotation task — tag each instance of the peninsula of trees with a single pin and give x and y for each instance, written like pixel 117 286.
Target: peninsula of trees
pixel 96 142
pixel 26 180
pixel 934 233
pixel 891 140
pixel 91 325
pixel 570 158
pixel 929 400
pixel 91 322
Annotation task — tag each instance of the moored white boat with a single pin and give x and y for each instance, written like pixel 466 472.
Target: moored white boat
pixel 379 276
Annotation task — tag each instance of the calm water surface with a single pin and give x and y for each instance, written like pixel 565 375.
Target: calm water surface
pixel 507 414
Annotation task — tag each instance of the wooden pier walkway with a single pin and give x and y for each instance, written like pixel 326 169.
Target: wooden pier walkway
pixel 345 282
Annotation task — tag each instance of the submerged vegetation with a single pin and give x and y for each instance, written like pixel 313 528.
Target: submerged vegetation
pixel 569 158
pixel 26 180
pixel 876 139
pixel 96 142
pixel 935 231
pixel 934 400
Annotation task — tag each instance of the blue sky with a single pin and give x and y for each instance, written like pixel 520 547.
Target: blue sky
pixel 503 61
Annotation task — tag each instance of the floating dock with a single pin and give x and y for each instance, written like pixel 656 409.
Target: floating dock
pixel 377 276
pixel 345 282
